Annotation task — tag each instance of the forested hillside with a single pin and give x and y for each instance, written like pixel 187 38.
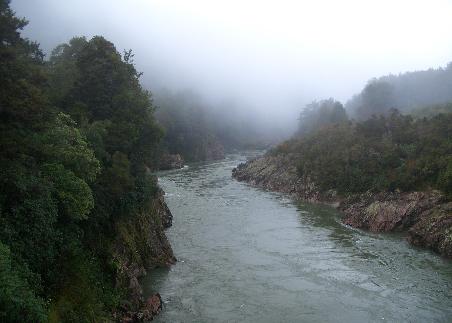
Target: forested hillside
pixel 405 92
pixel 402 139
pixel 385 153
pixel 77 201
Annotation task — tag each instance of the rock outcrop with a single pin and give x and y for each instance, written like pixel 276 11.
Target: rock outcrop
pixel 171 161
pixel 147 311
pixel 140 245
pixel 279 173
pixel 163 212
pixel 434 230
pixel 388 211
pixel 425 216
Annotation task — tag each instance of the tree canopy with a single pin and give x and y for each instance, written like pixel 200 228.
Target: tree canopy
pixel 320 114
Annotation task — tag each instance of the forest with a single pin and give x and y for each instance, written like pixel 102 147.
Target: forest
pixel 77 144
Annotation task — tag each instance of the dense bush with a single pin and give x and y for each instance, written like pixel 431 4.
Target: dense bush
pixel 321 114
pixel 396 152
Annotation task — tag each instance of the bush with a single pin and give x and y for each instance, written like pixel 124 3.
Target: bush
pixel 18 300
pixel 392 152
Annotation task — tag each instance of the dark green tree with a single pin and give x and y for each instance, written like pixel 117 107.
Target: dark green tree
pixel 319 114
pixel 377 98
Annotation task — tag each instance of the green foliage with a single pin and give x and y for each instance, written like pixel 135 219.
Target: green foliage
pixel 432 110
pixel 106 99
pixel 395 152
pixel 18 302
pixel 86 292
pixel 321 114
pixel 73 193
pixel 65 144
pixel 78 136
pixel 377 98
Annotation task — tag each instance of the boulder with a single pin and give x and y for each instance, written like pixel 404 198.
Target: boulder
pixel 171 161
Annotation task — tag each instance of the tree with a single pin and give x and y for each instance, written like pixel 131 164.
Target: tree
pixel 317 115
pixel 377 98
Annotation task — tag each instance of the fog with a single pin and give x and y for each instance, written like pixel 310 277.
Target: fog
pixel 268 57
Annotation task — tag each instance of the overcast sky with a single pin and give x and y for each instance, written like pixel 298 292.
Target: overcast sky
pixel 272 55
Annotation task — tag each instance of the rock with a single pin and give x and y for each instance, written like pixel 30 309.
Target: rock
pixel 384 212
pixel 140 244
pixel 279 173
pixel 171 161
pixel 154 304
pixel 163 211
pixel 434 230
pixel 147 312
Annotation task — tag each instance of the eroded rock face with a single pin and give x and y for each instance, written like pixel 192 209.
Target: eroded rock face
pixel 384 212
pixel 434 230
pixel 425 215
pixel 141 244
pixel 163 211
pixel 146 313
pixel 279 173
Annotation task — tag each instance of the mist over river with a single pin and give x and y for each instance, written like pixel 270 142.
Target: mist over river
pixel 246 255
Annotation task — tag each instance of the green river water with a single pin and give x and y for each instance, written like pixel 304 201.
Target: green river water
pixel 246 255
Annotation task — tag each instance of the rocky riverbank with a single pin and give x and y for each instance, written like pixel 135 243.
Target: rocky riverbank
pixel 279 173
pixel 426 217
pixel 140 245
pixel 170 161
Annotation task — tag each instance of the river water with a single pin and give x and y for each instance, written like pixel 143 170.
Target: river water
pixel 246 255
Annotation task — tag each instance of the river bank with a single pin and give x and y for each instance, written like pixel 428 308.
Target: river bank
pixel 426 217
pixel 140 246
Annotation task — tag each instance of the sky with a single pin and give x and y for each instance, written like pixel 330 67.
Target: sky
pixel 271 57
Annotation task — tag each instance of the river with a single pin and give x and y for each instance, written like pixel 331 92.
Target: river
pixel 246 255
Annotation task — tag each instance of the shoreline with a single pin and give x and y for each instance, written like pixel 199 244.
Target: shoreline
pixel 426 216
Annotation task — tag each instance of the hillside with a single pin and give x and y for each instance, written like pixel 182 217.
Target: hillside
pixel 405 92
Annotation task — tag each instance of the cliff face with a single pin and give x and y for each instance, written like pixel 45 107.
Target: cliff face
pixel 140 245
pixel 425 216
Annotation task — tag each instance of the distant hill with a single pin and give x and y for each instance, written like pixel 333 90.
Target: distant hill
pixel 405 92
